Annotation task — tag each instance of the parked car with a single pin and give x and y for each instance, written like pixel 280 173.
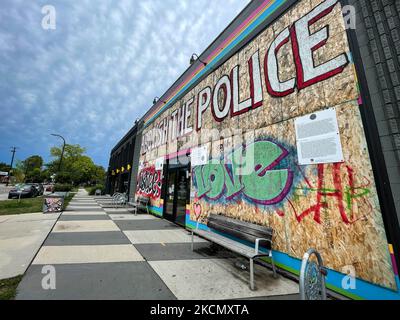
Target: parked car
pixel 39 187
pixel 50 188
pixel 23 191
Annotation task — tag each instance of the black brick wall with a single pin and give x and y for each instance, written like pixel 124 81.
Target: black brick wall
pixel 378 35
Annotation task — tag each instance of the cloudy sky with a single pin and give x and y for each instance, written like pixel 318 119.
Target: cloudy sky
pixel 98 71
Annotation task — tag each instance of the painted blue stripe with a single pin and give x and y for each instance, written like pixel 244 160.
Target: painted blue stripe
pixel 156 210
pixel 221 55
pixel 192 224
pixel 364 289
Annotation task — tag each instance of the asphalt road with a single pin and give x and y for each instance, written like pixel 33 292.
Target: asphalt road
pixel 4 191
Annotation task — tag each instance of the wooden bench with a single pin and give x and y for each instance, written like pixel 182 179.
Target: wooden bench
pixel 141 202
pixel 252 234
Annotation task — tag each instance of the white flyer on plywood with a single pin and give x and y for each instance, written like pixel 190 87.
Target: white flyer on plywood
pixel 199 156
pixel 318 138
pixel 159 163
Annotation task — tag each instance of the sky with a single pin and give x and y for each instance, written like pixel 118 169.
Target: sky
pixel 98 71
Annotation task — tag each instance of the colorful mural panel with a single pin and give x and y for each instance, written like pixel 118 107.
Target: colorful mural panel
pixel 298 65
pixel 149 183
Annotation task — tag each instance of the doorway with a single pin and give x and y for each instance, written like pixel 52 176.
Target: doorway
pixel 176 193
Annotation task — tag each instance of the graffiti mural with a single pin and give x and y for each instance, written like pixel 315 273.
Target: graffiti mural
pixel 299 64
pixel 331 206
pixel 53 204
pixel 345 193
pixel 264 184
pixel 149 183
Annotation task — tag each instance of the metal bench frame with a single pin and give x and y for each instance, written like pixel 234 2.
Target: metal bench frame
pixel 141 203
pixel 238 247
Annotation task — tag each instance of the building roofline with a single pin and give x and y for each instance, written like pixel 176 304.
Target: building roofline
pixel 192 67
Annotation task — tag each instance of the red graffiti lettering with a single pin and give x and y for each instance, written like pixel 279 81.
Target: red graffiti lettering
pixel 345 195
pixel 149 183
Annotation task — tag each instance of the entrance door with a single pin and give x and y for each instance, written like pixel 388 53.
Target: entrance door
pixel 181 195
pixel 170 195
pixel 176 195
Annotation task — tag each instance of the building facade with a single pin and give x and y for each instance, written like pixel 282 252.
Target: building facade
pixel 122 157
pixel 289 119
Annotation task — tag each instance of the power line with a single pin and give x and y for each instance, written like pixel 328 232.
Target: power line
pixel 13 150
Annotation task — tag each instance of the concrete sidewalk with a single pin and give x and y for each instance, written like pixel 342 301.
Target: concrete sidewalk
pixel 21 237
pixel 114 255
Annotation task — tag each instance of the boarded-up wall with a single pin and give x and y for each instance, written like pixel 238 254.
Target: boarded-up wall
pixel 332 207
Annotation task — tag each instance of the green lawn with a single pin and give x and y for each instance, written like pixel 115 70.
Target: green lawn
pixel 30 205
pixel 8 288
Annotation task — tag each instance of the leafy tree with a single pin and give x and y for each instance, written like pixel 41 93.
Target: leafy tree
pixel 18 172
pixel 33 162
pixel 71 151
pixel 45 175
pixel 76 167
pixel 99 175
pixel 32 168
pixel 4 167
pixel 34 175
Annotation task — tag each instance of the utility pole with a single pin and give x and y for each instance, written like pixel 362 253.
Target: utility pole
pixel 62 152
pixel 13 150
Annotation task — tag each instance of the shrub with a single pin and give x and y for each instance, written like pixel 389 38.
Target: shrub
pixel 92 190
pixel 63 187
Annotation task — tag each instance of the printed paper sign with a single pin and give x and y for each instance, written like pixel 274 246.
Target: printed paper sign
pixel 159 163
pixel 318 138
pixel 199 156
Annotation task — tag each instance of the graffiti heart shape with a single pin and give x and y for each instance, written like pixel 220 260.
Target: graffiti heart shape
pixel 197 210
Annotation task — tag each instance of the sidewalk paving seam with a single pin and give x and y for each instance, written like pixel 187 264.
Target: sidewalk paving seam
pixel 41 245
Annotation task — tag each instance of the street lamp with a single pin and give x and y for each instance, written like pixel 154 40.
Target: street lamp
pixel 194 58
pixel 156 100
pixel 63 148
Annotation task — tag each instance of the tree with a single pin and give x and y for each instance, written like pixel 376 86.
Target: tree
pixel 4 167
pixel 99 175
pixel 19 172
pixel 76 167
pixel 72 151
pixel 33 162
pixel 32 168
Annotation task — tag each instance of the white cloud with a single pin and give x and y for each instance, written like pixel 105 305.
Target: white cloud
pixel 101 68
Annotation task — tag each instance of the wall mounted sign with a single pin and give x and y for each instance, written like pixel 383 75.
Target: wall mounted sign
pixel 159 163
pixel 318 138
pixel 199 156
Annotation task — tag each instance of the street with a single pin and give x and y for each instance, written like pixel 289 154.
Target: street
pixel 4 191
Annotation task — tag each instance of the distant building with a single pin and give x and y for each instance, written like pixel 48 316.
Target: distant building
pixel 120 167
pixel 3 177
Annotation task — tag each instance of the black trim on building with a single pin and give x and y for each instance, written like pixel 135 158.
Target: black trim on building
pixel 377 158
pixel 121 157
